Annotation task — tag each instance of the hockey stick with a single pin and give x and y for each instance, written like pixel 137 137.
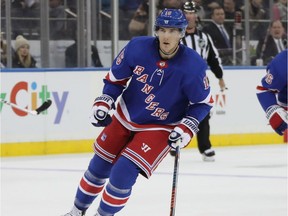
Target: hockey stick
pixel 175 181
pixel 37 111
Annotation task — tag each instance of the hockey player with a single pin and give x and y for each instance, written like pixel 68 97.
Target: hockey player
pixel 272 93
pixel 203 45
pixel 163 95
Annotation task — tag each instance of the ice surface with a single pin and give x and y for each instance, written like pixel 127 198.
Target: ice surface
pixel 243 181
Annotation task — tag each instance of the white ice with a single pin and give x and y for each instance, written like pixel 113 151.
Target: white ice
pixel 243 181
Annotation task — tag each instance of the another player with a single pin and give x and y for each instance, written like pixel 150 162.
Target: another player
pixel 272 93
pixel 164 94
pixel 203 45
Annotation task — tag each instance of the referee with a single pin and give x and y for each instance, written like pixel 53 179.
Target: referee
pixel 203 45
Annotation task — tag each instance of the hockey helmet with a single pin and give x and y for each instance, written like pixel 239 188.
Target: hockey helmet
pixel 190 6
pixel 171 18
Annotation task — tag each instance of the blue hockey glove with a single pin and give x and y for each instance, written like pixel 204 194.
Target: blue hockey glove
pixel 278 118
pixel 100 109
pixel 183 133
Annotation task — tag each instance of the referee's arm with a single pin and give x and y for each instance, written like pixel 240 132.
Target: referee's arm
pixel 215 63
pixel 214 60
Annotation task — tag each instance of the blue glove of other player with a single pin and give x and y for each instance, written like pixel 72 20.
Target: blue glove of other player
pixel 183 133
pixel 278 118
pixel 100 109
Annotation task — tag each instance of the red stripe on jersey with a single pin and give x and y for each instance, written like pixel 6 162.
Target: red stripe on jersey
pixel 112 200
pixel 122 116
pixel 119 82
pixel 90 188
pixel 261 88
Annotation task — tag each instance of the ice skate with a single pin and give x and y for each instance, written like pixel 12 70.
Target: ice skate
pixel 75 212
pixel 208 155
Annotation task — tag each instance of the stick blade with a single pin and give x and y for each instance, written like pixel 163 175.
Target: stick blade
pixel 44 106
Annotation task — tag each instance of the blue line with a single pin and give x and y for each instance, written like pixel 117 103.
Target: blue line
pixel 155 173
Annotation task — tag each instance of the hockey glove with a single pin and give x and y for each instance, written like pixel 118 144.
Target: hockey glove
pixel 183 133
pixel 102 105
pixel 278 118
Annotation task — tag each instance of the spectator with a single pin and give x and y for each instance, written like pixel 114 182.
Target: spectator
pixel 139 23
pixel 25 9
pixel 200 9
pixel 57 27
pixel 221 37
pixel 280 10
pixel 239 4
pixel 127 9
pixel 274 43
pixel 71 56
pixel 229 7
pixel 22 57
pixel 3 50
pixel 176 4
pixel 257 13
pixel 209 6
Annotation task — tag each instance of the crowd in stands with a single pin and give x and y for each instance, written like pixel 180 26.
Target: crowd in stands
pixel 134 17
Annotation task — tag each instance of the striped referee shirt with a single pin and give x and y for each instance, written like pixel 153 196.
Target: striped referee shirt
pixel 203 45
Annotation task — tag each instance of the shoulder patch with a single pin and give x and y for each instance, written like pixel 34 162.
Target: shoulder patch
pixel 206 82
pixel 269 78
pixel 120 57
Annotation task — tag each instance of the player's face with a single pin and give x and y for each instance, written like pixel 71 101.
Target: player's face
pixel 169 39
pixel 191 18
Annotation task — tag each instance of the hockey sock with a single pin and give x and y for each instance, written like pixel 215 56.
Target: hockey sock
pixel 92 182
pixel 117 192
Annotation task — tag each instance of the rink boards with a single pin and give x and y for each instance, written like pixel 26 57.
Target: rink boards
pixel 236 118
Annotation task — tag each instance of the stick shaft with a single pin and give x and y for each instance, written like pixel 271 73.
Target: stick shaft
pixel 18 107
pixel 175 181
pixel 40 109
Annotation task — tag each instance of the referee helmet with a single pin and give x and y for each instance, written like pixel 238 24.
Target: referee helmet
pixel 190 6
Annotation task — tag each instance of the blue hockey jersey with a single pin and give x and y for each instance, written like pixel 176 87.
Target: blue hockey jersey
pixel 157 93
pixel 273 89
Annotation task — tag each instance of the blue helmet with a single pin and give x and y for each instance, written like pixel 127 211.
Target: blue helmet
pixel 171 18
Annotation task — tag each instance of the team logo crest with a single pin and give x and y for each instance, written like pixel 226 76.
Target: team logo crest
pixel 103 137
pixel 162 64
